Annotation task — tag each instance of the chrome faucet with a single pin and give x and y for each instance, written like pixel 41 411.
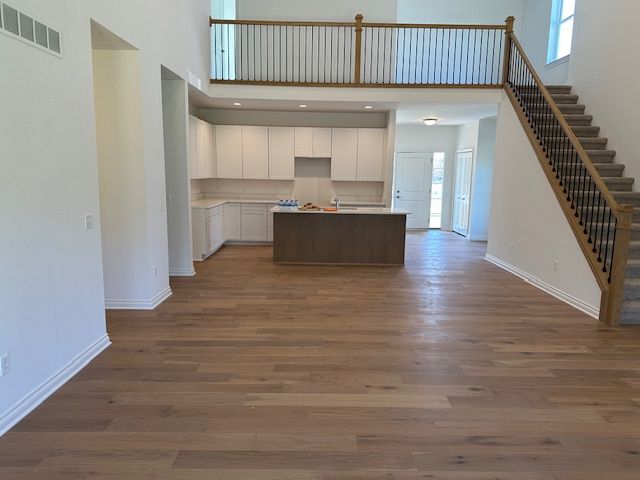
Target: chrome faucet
pixel 337 202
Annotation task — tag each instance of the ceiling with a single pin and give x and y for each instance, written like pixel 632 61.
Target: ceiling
pixel 407 112
pixel 448 113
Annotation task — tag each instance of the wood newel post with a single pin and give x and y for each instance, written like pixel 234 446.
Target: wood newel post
pixel 507 49
pixel 619 265
pixel 358 47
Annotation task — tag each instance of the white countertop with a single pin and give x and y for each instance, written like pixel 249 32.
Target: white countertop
pixel 216 202
pixel 345 211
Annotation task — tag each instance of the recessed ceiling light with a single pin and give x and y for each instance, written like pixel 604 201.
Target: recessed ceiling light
pixel 237 104
pixel 368 107
pixel 431 121
pixel 302 106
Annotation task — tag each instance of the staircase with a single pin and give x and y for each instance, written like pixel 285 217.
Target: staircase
pixel 620 186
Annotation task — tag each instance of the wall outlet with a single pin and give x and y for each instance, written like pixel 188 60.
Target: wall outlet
pixel 88 222
pixel 511 246
pixel 161 205
pixel 155 271
pixel 4 365
pixel 555 264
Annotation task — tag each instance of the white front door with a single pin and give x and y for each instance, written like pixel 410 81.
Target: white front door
pixel 412 191
pixel 462 191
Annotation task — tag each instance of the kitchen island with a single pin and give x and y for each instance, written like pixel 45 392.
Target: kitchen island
pixel 349 236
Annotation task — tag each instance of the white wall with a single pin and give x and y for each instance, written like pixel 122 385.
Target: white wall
pixel 458 11
pixel 328 10
pixel 116 76
pixel 418 138
pixel 51 287
pixel 604 72
pixel 533 32
pixel 528 230
pixel 175 127
pixel 482 178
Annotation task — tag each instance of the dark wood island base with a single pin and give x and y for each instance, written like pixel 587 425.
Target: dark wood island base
pixel 339 238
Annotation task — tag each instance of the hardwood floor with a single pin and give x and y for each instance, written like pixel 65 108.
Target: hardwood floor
pixel 448 368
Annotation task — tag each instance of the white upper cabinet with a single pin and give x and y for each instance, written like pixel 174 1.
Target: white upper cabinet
pixel 255 152
pixel 344 154
pixel 370 154
pixel 193 147
pixel 322 142
pixel 312 142
pixel 229 151
pixel 304 142
pixel 281 153
pixel 201 149
pixel 211 160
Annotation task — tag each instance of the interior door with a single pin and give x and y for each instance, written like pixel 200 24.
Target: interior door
pixel 462 191
pixel 412 191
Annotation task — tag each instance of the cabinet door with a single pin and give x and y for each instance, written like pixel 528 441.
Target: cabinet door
pixel 304 142
pixel 203 148
pixel 211 235
pixel 370 154
pixel 281 153
pixel 219 228
pixel 254 223
pixel 344 154
pixel 270 222
pixel 229 151
pixel 211 159
pixel 232 221
pixel 255 152
pixel 199 233
pixel 321 143
pixel 193 147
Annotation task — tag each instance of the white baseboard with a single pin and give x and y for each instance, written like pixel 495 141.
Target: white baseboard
pixel 182 272
pixel 111 304
pixel 49 386
pixel 542 285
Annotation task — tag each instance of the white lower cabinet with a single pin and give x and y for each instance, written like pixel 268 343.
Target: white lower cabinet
pixel 232 221
pixel 270 222
pixel 207 231
pixel 254 222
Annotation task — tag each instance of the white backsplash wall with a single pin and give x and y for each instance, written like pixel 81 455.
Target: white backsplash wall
pixel 312 184
pixel 359 192
pixel 245 189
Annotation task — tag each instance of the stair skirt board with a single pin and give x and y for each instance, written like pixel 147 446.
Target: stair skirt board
pixel 47 388
pixel 551 290
pixel 111 304
pixel 182 272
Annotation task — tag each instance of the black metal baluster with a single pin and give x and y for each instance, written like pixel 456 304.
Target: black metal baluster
pixel 606 245
pixel 595 226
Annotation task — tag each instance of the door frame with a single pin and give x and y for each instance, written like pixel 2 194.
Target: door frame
pixel 470 190
pixel 427 182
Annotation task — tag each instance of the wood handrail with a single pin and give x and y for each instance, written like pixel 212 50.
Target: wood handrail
pixel 568 131
pixel 216 21
pixel 450 26
pixel 300 23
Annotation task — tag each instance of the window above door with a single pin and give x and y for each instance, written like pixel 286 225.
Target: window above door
pixel 561 31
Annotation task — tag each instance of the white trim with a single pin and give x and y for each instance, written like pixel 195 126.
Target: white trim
pixel 182 272
pixel 545 287
pixel 114 304
pixel 558 62
pixel 32 400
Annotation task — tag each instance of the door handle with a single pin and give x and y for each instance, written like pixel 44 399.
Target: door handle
pixel 397 196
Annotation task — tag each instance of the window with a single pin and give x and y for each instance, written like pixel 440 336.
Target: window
pixel 561 32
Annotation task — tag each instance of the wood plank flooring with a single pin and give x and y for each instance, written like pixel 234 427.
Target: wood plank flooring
pixel 448 368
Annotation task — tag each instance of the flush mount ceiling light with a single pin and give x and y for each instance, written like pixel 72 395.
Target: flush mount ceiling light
pixel 430 121
pixel 368 107
pixel 237 104
pixel 302 106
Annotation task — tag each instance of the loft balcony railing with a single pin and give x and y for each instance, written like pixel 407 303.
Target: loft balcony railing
pixel 348 54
